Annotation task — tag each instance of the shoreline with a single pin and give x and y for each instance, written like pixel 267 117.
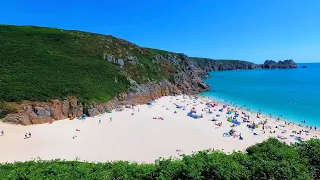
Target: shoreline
pixel 141 138
pixel 282 118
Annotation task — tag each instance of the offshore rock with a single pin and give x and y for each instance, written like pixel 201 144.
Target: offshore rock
pixel 270 64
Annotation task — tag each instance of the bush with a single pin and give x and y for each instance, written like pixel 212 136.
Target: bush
pixel 268 160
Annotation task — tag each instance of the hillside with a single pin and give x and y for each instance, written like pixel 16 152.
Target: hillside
pixel 49 74
pixel 40 64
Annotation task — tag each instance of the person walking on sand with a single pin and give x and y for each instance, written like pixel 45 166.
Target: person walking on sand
pixel 99 121
pixel 2 133
pixel 26 136
pixel 110 119
pixel 29 134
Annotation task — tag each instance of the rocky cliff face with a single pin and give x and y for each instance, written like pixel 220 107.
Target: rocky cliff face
pixel 270 64
pixel 221 65
pixel 186 79
pixel 40 112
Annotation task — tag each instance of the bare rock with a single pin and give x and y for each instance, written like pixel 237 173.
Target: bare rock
pixel 93 112
pixel 132 60
pixel 41 111
pixel 65 108
pixel 18 118
pixel 56 110
pixel 120 62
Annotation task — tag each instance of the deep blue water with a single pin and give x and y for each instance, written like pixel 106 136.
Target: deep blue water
pixel 292 93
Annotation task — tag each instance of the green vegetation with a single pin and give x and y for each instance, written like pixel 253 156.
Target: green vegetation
pixel 5 108
pixel 158 51
pixel 268 160
pixel 40 64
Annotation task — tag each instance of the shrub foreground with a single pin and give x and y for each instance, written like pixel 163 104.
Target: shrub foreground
pixel 268 160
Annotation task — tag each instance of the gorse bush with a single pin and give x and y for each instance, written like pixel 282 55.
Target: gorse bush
pixel 268 160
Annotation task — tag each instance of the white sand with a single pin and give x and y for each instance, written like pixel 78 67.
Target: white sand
pixel 135 137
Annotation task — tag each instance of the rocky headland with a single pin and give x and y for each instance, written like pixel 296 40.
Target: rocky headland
pixel 141 74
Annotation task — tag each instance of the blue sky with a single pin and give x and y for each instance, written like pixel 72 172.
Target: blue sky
pixel 253 30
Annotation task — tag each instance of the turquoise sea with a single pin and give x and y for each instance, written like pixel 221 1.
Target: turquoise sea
pixel 292 93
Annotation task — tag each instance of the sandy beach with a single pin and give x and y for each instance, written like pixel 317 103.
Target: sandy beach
pixel 141 138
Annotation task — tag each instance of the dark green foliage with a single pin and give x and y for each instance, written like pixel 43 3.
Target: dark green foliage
pixel 310 152
pixel 268 160
pixel 276 160
pixel 40 64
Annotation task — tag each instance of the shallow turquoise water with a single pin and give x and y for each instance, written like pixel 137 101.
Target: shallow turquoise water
pixel 292 93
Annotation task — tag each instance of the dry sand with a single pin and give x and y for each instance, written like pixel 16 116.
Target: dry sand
pixel 136 137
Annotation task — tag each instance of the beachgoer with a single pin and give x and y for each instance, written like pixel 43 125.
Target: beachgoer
pixel 99 121
pixel 110 119
pixel 2 133
pixel 26 136
pixel 29 135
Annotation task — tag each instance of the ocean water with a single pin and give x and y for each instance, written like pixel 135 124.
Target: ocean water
pixel 292 93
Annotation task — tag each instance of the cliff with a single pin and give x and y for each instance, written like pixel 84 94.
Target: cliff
pixel 221 65
pixel 49 74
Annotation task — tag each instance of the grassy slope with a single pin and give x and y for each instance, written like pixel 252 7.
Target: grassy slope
pixel 40 64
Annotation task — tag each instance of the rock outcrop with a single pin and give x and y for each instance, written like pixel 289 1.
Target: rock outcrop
pixel 187 73
pixel 38 113
pixel 141 95
pixel 121 62
pixel 270 64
